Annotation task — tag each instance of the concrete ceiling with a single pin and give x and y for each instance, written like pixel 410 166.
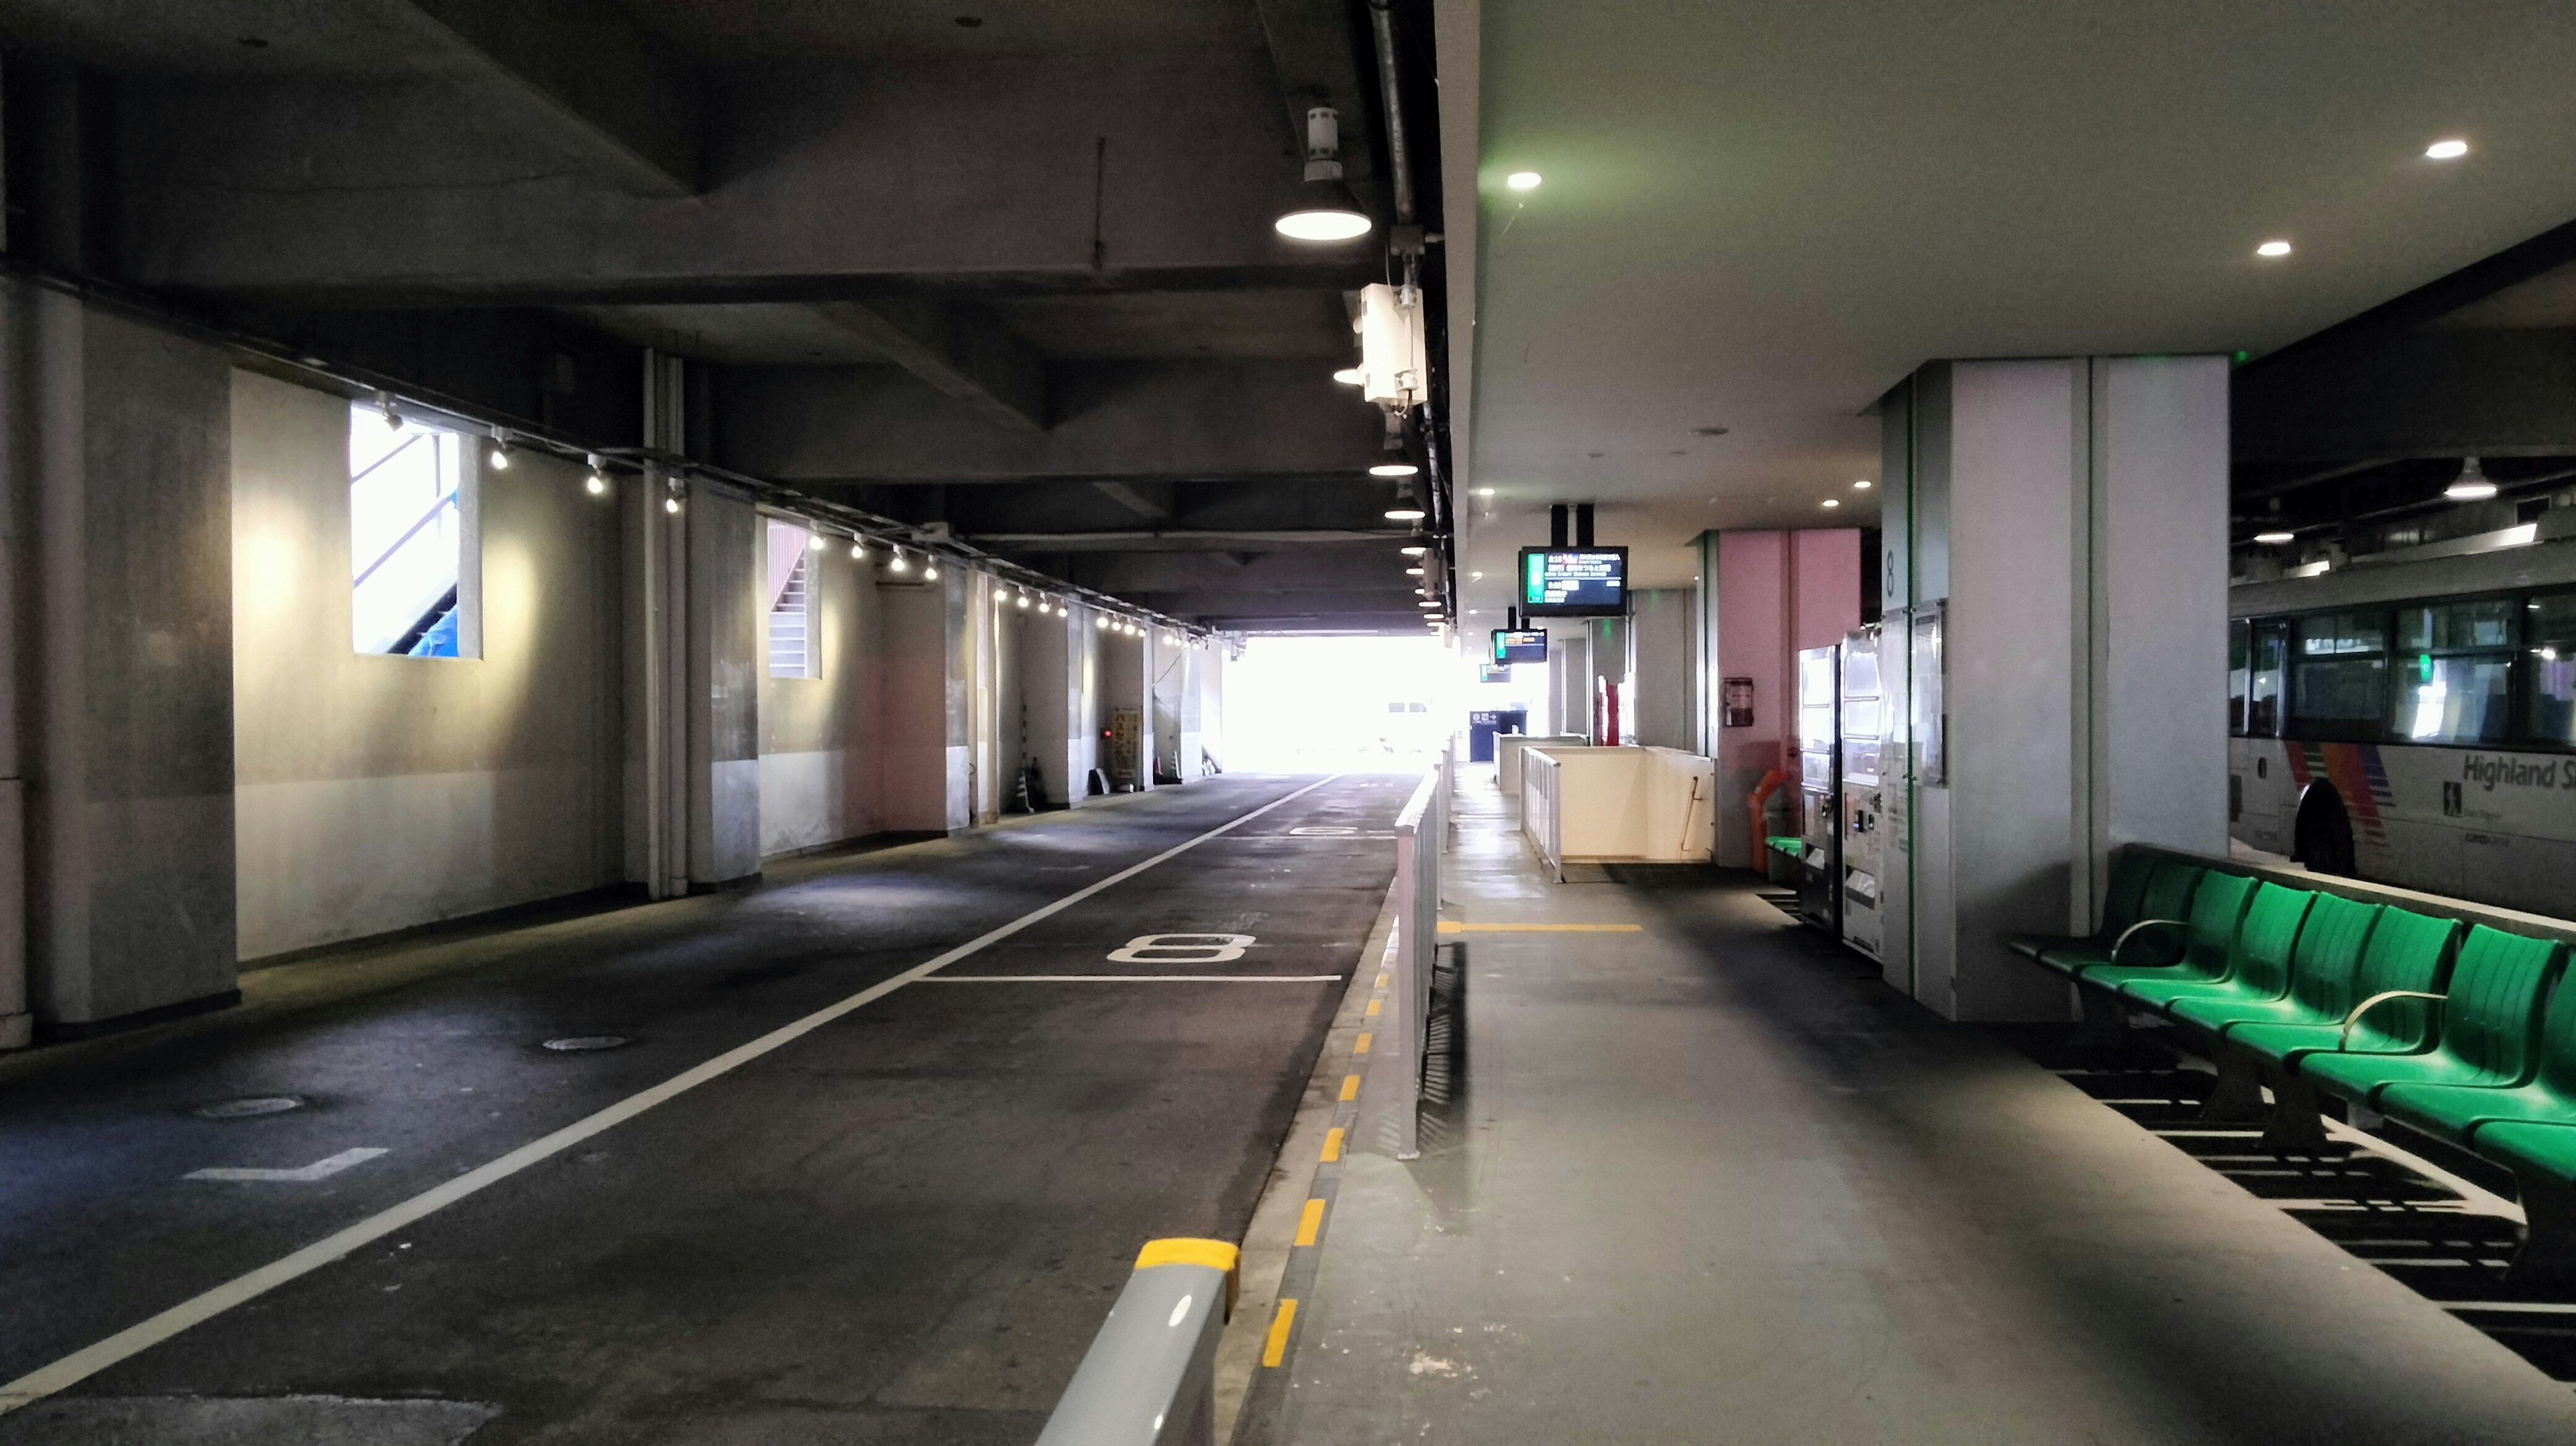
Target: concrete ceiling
pixel 1761 216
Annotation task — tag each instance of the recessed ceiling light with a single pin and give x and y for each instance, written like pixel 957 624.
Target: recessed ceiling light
pixel 1833 502
pixel 1349 376
pixel 2276 538
pixel 1404 514
pixel 1393 469
pixel 2446 150
pixel 1522 180
pixel 1475 577
pixel 1861 486
pixel 1415 551
pixel 1484 491
pixel 1413 572
pixel 1426 603
pixel 2273 248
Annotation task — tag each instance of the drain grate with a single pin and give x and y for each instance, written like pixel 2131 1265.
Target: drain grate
pixel 248 1109
pixel 586 1043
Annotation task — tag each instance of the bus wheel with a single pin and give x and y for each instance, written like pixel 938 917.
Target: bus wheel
pixel 2325 834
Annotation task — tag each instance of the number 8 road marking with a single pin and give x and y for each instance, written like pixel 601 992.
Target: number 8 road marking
pixel 1181 949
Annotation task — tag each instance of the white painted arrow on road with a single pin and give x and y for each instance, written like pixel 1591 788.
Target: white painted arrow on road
pixel 318 1170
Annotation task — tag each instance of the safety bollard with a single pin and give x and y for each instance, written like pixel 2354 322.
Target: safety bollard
pixel 1149 1378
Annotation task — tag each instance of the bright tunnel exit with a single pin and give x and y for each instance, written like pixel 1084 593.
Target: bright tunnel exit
pixel 1314 705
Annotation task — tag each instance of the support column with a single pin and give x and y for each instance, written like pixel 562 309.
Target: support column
pixel 118 473
pixel 2064 523
pixel 922 725
pixel 723 705
pixel 1051 687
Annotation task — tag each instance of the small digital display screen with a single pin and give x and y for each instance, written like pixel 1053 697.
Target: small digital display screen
pixel 1574 582
pixel 1519 647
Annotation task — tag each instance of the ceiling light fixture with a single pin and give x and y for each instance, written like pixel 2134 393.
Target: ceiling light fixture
pixel 1833 502
pixel 2472 485
pixel 1024 599
pixel 1325 209
pixel 385 404
pixel 2275 538
pixel 596 483
pixel 1426 603
pixel 1393 469
pixel 1404 514
pixel 813 542
pixel 898 565
pixel 930 569
pixel 1415 551
pixel 1523 180
pixel 2273 248
pixel 1100 621
pixel 2446 150
pixel 1484 491
pixel 1350 376
pixel 1861 486
pixel 499 457
pixel 1413 572
pixel 671 505
pixel 859 548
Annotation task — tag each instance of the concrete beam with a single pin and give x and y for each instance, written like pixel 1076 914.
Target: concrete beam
pixel 1128 421
pixel 1134 501
pixel 1231 544
pixel 578 73
pixel 987 173
pixel 2432 392
pixel 958 350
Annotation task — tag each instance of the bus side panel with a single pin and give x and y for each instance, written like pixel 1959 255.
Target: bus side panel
pixel 2267 796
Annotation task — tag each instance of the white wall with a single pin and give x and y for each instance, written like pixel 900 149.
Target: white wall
pixel 818 760
pixel 375 793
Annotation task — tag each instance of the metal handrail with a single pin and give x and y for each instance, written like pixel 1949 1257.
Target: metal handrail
pixel 2343 1042
pixel 1149 1378
pixel 2125 934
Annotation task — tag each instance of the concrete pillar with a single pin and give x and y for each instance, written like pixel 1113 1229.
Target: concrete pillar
pixel 1667 650
pixel 2064 524
pixel 1211 679
pixel 119 528
pixel 1569 676
pixel 1176 705
pixel 722 710
pixel 922 723
pixel 1051 687
pixel 1764 596
pixel 1613 662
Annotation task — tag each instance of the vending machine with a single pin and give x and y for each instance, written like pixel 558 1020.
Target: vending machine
pixel 1819 790
pixel 1863 719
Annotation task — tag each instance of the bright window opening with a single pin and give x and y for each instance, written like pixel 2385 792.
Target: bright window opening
pixel 1307 705
pixel 791 602
pixel 411 590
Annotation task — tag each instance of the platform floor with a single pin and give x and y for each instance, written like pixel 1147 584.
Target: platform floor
pixel 902 1227
pixel 1711 1182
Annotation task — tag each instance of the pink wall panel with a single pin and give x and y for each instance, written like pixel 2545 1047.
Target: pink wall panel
pixel 1827 568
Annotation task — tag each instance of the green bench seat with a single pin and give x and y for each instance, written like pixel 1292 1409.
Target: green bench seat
pixel 2543 1161
pixel 2322 967
pixel 2145 928
pixel 2209 934
pixel 2453 1111
pixel 2120 904
pixel 2406 953
pixel 2258 967
pixel 2490 1023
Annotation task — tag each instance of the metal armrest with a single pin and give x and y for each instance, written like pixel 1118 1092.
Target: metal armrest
pixel 2122 942
pixel 2364 1007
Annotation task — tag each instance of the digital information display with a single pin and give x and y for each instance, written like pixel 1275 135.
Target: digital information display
pixel 1574 582
pixel 1520 647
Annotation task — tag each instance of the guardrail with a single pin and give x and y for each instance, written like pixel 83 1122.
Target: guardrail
pixel 1149 1378
pixel 1421 833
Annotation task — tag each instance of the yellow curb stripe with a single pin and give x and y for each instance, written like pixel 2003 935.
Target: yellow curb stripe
pixel 1374 1006
pixel 1310 1222
pixel 1332 1144
pixel 1362 1046
pixel 1275 1350
pixel 1381 980
pixel 1350 1087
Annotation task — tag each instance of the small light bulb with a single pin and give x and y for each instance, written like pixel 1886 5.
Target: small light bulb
pixel 930 570
pixel 813 542
pixel 1522 180
pixel 898 565
pixel 858 548
pixel 595 484
pixel 1024 599
pixel 1101 622
pixel 671 504
pixel 498 457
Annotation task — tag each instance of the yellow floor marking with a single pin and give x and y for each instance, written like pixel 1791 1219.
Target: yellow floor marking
pixel 1447 927
pixel 1350 1087
pixel 1362 1046
pixel 1332 1144
pixel 1310 1222
pixel 1381 981
pixel 1374 1006
pixel 1275 1349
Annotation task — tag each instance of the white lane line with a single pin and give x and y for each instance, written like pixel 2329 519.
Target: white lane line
pixel 318 1170
pixel 143 1335
pixel 1137 979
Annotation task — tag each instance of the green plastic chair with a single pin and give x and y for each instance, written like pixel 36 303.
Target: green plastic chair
pixel 2453 1111
pixel 2323 965
pixel 2164 909
pixel 2120 905
pixel 2490 1024
pixel 2407 957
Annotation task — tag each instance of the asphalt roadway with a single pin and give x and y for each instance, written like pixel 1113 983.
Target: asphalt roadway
pixel 903 1225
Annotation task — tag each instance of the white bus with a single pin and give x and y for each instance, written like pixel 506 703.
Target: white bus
pixel 2414 723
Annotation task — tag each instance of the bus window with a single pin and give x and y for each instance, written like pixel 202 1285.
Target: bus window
pixel 2550 633
pixel 2339 677
pixel 2455 666
pixel 2263 688
pixel 2240 650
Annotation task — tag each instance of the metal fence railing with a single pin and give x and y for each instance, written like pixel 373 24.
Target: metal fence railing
pixel 1149 1378
pixel 1421 834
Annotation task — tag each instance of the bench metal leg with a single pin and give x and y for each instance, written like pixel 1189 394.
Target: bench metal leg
pixel 2238 1093
pixel 2106 1021
pixel 2547 1259
pixel 2296 1126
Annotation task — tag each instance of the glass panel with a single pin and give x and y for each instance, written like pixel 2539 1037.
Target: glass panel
pixel 2240 671
pixel 406 537
pixel 2263 694
pixel 2451 627
pixel 2340 691
pixel 2455 699
pixel 2550 623
pixel 2337 634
